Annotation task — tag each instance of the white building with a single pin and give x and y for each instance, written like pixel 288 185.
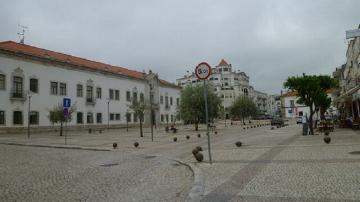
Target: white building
pixel 348 76
pixel 228 84
pixel 291 109
pixel 100 92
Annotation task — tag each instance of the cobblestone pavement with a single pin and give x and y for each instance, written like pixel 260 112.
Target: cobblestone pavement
pixel 48 174
pixel 282 165
pixel 272 165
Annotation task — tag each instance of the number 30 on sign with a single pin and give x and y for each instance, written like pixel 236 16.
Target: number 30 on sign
pixel 203 71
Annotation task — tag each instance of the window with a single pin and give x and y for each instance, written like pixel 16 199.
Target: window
pixel 34 85
pixel 216 78
pixel 98 118
pixel 128 96
pixel 98 93
pixel 194 81
pixel 112 116
pixel 79 90
pixel 135 118
pixel 79 117
pixel 2 81
pixel 89 118
pixel 178 101
pixel 89 94
pixel 117 117
pixel 54 88
pixel 2 118
pixel 18 87
pixel 161 99
pixel 292 103
pixel 172 118
pixel 166 101
pixel 128 117
pixel 34 118
pixel 135 96
pixel 17 118
pixel 111 94
pixel 62 88
pixel 167 118
pixel 162 117
pixel 226 84
pixel 117 95
pixel 151 98
pixel 171 100
pixel 141 97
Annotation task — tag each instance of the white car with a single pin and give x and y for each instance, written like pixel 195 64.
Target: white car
pixel 298 120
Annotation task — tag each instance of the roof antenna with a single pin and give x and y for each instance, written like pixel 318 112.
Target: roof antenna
pixel 22 33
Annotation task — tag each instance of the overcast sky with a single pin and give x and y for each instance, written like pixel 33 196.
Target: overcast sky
pixel 268 40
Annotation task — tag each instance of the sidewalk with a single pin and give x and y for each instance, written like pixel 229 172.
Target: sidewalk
pixel 105 139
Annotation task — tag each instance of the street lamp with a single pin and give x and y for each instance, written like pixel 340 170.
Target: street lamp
pixel 29 94
pixel 108 111
pixel 151 114
pixel 225 115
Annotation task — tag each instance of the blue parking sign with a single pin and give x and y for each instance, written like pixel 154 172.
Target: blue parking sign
pixel 66 102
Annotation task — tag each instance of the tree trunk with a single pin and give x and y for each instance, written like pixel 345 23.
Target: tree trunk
pixel 141 130
pixel 312 112
pixel 322 113
pixel 61 128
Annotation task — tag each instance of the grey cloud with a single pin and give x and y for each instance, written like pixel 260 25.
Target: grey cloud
pixel 269 40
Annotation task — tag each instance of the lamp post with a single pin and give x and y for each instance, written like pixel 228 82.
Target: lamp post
pixel 151 114
pixel 29 94
pixel 108 111
pixel 225 115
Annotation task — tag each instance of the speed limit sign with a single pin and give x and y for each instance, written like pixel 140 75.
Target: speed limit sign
pixel 203 71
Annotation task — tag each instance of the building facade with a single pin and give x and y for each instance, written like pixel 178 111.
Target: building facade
pixel 348 76
pixel 228 85
pixel 291 109
pixel 100 93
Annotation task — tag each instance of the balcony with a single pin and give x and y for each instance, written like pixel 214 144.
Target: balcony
pixel 90 101
pixel 17 96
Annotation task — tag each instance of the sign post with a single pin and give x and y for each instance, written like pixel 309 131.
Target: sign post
pixel 202 72
pixel 66 106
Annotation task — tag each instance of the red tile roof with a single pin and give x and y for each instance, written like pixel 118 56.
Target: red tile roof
pixel 289 94
pixel 73 60
pixel 223 63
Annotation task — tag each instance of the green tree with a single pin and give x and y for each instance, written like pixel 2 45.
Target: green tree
pixel 311 90
pixel 56 115
pixel 192 104
pixel 243 107
pixel 138 107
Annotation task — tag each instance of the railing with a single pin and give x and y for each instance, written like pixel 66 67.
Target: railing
pixel 90 101
pixel 18 95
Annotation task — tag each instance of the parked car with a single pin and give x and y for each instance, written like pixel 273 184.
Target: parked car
pixel 298 120
pixel 277 121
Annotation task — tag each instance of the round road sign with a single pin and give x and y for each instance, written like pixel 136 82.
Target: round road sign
pixel 203 71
